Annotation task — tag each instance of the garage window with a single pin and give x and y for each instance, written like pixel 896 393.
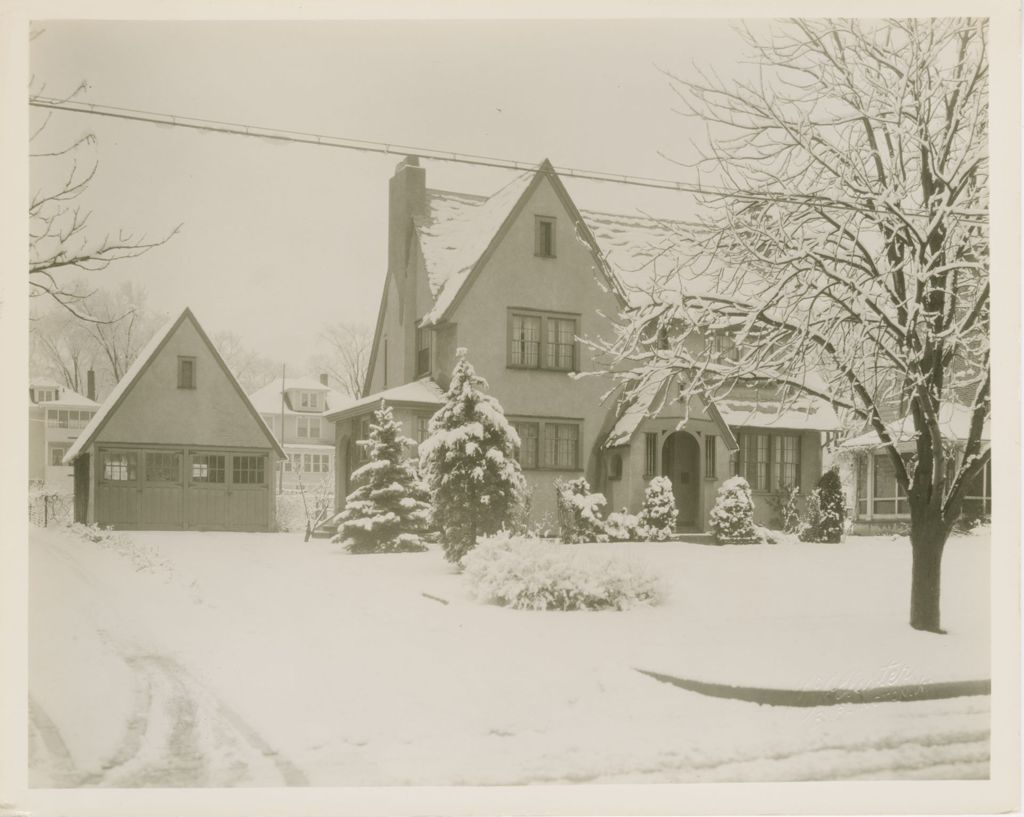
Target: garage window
pixel 247 470
pixel 186 372
pixel 119 467
pixel 208 468
pixel 163 466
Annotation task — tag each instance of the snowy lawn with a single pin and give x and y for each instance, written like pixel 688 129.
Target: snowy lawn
pixel 255 659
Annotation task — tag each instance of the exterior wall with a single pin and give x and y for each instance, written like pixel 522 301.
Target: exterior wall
pixel 155 410
pixel 42 438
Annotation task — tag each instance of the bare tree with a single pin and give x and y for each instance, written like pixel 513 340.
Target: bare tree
pixel 61 346
pixel 843 248
pixel 346 356
pixel 250 368
pixel 120 325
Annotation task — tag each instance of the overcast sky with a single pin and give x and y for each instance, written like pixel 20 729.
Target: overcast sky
pixel 278 240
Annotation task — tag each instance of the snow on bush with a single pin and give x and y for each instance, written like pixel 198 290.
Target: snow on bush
pixel 527 574
pixel 579 512
pixel 786 504
pixel 658 515
pixel 291 514
pixel 732 518
pixel 388 510
pixel 826 510
pixel 144 558
pixel 469 463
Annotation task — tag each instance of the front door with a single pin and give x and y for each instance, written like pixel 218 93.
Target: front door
pixel 680 459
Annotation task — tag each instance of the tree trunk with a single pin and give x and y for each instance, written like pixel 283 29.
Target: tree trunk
pixel 927 541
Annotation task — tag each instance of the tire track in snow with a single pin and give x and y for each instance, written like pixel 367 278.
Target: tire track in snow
pixel 44 736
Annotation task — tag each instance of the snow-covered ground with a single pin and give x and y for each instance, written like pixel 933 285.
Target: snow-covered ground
pixel 257 659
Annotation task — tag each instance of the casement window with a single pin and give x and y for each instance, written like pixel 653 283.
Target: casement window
pixel 163 466
pixel 57 453
pixel 424 341
pixel 309 401
pixel 529 444
pixel 539 340
pixel 545 237
pixel 308 427
pixel 711 456
pixel 548 444
pixel 119 466
pixel 209 468
pixel 186 372
pixel 725 347
pixel 68 418
pixel 422 427
pixel 769 461
pixel 887 496
pixel 315 463
pixel 45 395
pixel 650 454
pixel 247 470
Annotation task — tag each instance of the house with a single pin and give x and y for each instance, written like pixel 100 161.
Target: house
pixel 295 409
pixel 177 444
pixel 518 278
pixel 879 501
pixel 56 416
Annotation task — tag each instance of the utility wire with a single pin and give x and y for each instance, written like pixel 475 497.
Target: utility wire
pixel 367 146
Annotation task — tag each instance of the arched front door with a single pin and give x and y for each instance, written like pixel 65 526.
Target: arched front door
pixel 680 461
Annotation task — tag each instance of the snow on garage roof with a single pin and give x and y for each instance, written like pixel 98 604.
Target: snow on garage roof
pixel 954 423
pixel 424 391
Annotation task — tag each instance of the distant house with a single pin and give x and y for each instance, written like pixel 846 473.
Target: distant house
pixel 296 412
pixel 879 501
pixel 177 444
pixel 518 278
pixel 56 417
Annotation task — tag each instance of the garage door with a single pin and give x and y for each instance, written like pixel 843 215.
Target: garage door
pixel 174 489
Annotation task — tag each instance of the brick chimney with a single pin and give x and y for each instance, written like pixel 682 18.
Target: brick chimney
pixel 90 384
pixel 407 199
pixel 324 379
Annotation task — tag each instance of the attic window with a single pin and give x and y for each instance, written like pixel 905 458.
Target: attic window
pixel 309 400
pixel 186 372
pixel 545 229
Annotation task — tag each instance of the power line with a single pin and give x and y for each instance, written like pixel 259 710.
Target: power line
pixel 368 146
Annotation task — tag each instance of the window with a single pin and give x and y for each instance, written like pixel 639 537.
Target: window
pixel 57 453
pixel 363 451
pixel 769 461
pixel 119 466
pixel 314 463
pixel 545 245
pixel 247 470
pixel 163 466
pixel 650 454
pixel 725 347
pixel 308 427
pixel 67 418
pixel 424 339
pixel 186 372
pixel 888 498
pixel 615 466
pixel 711 456
pixel 529 444
pixel 561 445
pixel 422 428
pixel 208 468
pixel 862 485
pixel 541 341
pixel 45 395
pixel 978 497
pixel 309 400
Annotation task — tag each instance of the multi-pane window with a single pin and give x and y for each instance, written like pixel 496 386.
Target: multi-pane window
pixel 711 456
pixel 769 461
pixel 247 470
pixel 309 427
pixel 119 466
pixel 163 466
pixel 650 453
pixel 545 237
pixel 529 444
pixel 316 463
pixel 978 497
pixel 862 485
pixel 208 468
pixel 45 395
pixel 309 400
pixel 57 453
pixel 561 445
pixel 422 428
pixel 725 347
pixel 186 372
pixel 363 451
pixel 888 497
pixel 68 418
pixel 423 343
pixel 541 341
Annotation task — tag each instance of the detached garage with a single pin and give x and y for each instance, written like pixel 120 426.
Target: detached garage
pixel 177 445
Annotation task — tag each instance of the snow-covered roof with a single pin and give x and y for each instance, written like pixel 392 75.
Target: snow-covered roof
pixel 954 423
pixel 638 406
pixel 801 412
pixel 44 383
pixel 125 383
pixel 267 399
pixel 67 398
pixel 424 391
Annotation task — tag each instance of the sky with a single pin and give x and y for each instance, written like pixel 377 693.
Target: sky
pixel 279 240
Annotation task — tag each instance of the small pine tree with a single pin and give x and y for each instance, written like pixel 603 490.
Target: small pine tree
pixel 388 510
pixel 658 515
pixel 827 517
pixel 579 512
pixel 469 462
pixel 732 518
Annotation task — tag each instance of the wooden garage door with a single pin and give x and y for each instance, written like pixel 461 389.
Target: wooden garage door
pixel 163 491
pixel 118 488
pixel 228 490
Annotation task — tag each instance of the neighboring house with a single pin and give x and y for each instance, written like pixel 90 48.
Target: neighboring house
pixel 878 500
pixel 177 444
pixel 517 278
pixel 56 416
pixel 296 411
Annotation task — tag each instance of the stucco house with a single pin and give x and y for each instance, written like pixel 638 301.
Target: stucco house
pixel 295 409
pixel 56 416
pixel 518 278
pixel 176 445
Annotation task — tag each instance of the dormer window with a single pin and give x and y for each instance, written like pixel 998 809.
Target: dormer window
pixel 309 400
pixel 545 239
pixel 45 395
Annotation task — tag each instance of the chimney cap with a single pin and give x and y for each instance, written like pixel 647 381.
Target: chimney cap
pixel 408 161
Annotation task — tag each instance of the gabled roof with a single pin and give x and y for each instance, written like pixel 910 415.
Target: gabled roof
pixel 424 392
pixel 69 398
pixel 954 423
pixel 267 399
pixel 145 357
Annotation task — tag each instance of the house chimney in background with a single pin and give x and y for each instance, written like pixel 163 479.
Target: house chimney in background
pixel 90 384
pixel 323 379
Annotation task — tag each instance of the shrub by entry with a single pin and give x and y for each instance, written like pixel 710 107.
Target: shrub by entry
pixel 826 510
pixel 732 518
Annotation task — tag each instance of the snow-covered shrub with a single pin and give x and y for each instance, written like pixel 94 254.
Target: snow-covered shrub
pixel 826 510
pixel 469 462
pixel 144 558
pixel 732 518
pixel 579 512
pixel 388 510
pixel 786 504
pixel 626 527
pixel 658 515
pixel 291 515
pixel 527 574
